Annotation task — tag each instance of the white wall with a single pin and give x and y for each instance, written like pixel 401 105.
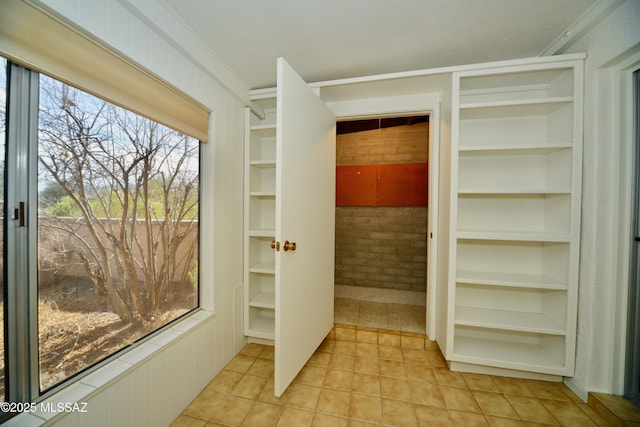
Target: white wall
pixel 153 384
pixel 613 50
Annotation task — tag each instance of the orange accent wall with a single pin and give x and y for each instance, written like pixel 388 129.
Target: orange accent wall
pixel 402 184
pixel 356 185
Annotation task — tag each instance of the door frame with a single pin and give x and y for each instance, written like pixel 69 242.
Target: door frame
pixel 632 359
pixel 424 104
pixel 615 122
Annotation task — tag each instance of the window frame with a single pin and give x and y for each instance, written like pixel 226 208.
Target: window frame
pixel 22 368
pixel 20 309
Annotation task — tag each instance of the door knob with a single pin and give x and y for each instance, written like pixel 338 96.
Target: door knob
pixel 275 245
pixel 289 246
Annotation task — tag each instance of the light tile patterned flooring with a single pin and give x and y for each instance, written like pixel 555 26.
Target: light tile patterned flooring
pixel 363 377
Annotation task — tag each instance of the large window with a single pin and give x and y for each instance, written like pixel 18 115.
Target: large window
pixel 117 228
pixel 111 209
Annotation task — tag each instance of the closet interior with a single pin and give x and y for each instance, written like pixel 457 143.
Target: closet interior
pixel 381 222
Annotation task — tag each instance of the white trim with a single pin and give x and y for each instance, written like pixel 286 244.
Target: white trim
pixel 423 103
pixel 447 70
pixel 433 235
pixel 624 75
pixel 581 26
pixel 270 92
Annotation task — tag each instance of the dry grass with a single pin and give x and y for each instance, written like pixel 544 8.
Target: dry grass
pixel 76 329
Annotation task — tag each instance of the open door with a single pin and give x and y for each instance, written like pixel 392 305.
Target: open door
pixel 305 224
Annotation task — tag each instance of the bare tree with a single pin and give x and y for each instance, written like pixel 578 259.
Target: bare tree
pixel 132 188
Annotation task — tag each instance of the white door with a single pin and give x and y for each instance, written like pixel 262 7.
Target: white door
pixel 305 215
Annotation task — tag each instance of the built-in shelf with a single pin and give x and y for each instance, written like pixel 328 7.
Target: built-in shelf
pixel 518 351
pixel 263 163
pixel 513 236
pixel 517 108
pixel 261 233
pixel 263 267
pixel 513 149
pixel 260 198
pixel 510 170
pixel 494 278
pixel 515 226
pixel 513 191
pixel 262 194
pixel 264 300
pixel 507 320
pixel 264 130
pixel 261 323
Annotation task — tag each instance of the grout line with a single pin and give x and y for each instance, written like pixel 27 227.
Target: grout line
pixel 528 388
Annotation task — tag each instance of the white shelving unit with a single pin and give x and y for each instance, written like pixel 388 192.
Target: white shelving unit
pixel 515 205
pixel 260 208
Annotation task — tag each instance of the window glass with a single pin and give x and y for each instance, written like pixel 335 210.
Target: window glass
pixel 3 126
pixel 118 207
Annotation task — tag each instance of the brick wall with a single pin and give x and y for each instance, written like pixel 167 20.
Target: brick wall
pixel 399 144
pixel 383 247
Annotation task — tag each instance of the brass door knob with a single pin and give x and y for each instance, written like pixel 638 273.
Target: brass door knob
pixel 289 246
pixel 275 245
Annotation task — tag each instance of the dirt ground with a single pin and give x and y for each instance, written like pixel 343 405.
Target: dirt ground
pixel 77 328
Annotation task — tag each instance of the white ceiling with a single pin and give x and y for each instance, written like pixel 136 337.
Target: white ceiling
pixel 333 39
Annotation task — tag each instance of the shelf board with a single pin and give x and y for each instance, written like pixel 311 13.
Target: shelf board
pixel 262 233
pixel 515 108
pixel 512 149
pixel 511 82
pixel 262 194
pixel 513 191
pixel 263 267
pixel 516 280
pixel 514 236
pixel 264 300
pixel 509 355
pixel 264 130
pixel 262 327
pixel 265 164
pixel 507 320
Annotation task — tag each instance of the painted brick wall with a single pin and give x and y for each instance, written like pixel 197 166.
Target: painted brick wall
pixel 399 144
pixel 382 247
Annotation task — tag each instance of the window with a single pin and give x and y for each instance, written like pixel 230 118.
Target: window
pixel 111 212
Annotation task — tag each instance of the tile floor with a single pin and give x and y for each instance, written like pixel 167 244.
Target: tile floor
pixel 616 410
pixel 393 316
pixel 363 377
